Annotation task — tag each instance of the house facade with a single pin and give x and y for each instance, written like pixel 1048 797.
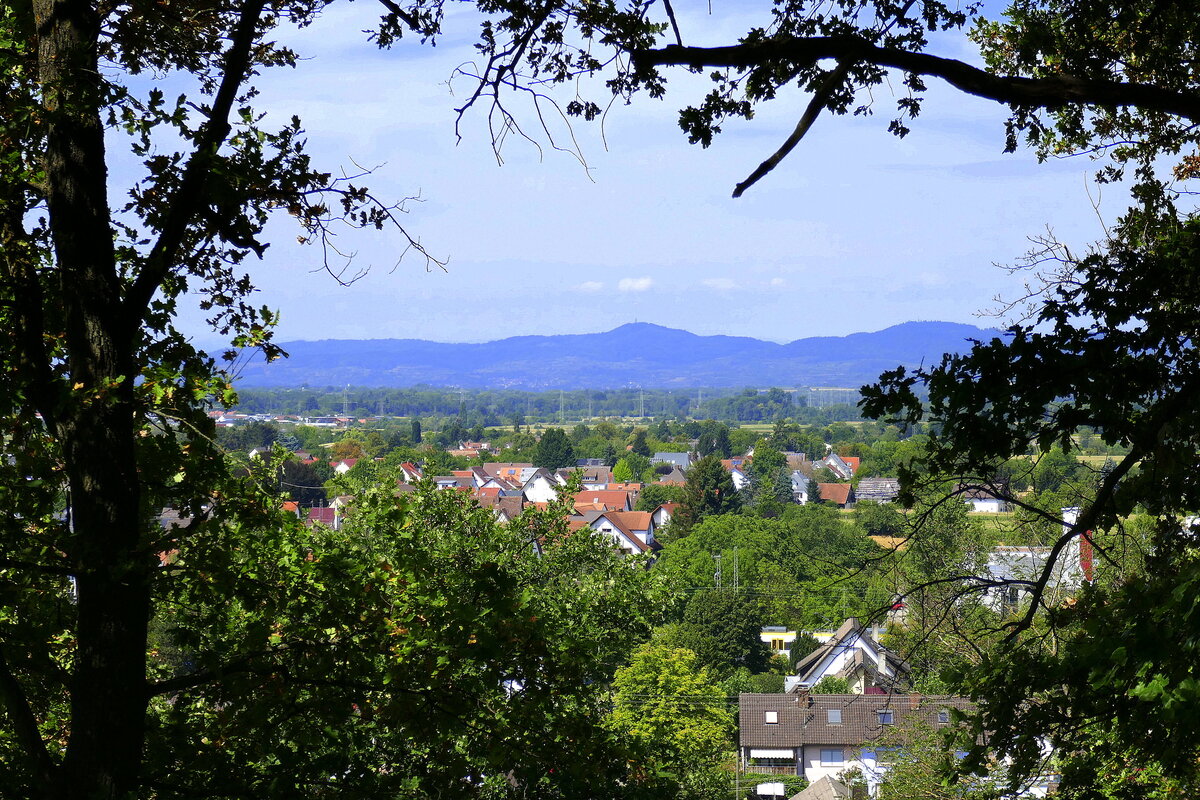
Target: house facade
pixel 830 735
pixel 851 653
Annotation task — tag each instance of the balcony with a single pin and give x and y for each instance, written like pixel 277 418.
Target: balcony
pixel 763 769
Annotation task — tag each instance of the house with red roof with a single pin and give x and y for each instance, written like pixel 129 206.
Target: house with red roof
pixel 631 531
pixel 344 466
pixel 839 494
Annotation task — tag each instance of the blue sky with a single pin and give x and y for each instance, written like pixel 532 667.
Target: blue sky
pixel 857 230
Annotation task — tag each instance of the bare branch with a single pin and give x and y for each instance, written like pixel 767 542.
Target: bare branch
pixel 831 83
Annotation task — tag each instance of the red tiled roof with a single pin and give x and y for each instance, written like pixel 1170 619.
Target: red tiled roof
pixel 633 520
pixel 323 516
pixel 838 493
pixel 613 499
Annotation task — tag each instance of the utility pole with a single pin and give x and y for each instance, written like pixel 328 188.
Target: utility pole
pixel 346 401
pixel 717 574
pixel 560 407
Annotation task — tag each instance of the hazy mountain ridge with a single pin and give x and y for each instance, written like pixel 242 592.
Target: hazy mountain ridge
pixel 639 354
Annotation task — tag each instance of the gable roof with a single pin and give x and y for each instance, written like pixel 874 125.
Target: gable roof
pixel 615 500
pixel 633 520
pixel 809 668
pixel 681 460
pixel 804 719
pixel 837 493
pixel 615 519
pixel 322 516
pixel 881 490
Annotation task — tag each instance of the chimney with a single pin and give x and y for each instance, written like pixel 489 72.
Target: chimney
pixel 914 700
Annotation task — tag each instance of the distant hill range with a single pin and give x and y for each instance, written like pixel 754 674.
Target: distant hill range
pixel 638 354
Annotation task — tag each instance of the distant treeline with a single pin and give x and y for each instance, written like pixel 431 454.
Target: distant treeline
pixel 506 407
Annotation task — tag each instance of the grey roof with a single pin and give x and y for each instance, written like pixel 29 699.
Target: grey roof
pixel 881 490
pixel 827 788
pixel 681 460
pixel 804 719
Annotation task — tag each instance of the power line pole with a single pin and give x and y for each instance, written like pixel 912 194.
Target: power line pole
pixel 717 574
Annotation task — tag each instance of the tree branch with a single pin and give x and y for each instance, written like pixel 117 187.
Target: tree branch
pixel 24 723
pixel 187 199
pixel 1051 92
pixel 832 81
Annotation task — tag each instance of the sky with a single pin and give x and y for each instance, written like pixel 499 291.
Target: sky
pixel 856 231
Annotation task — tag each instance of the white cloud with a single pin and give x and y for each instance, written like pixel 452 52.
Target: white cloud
pixel 720 284
pixel 589 286
pixel 778 281
pixel 634 284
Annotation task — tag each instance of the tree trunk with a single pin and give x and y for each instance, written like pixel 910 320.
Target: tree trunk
pixel 96 424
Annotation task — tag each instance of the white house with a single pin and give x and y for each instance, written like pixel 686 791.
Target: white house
pixel 632 531
pixel 830 735
pixel 851 653
pixel 539 486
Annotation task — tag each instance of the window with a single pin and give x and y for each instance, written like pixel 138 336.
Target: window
pixel 943 715
pixel 834 716
pixel 777 644
pixel 885 718
pixel 831 757
pixel 770 717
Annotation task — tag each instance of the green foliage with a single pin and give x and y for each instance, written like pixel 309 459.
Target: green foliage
pixel 792 784
pixel 708 491
pixel 742 680
pixel 722 627
pixel 639 445
pixel 654 495
pixel 770 488
pixel 1116 697
pixel 554 450
pixel 806 566
pixel 921 761
pixel 671 711
pixel 879 519
pixel 802 646
pixel 374 651
pixel 714 440
pixel 831 684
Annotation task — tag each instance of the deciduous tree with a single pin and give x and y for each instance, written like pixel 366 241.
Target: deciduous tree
pixel 670 707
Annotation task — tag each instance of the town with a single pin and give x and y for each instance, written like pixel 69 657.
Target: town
pixel 804 593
